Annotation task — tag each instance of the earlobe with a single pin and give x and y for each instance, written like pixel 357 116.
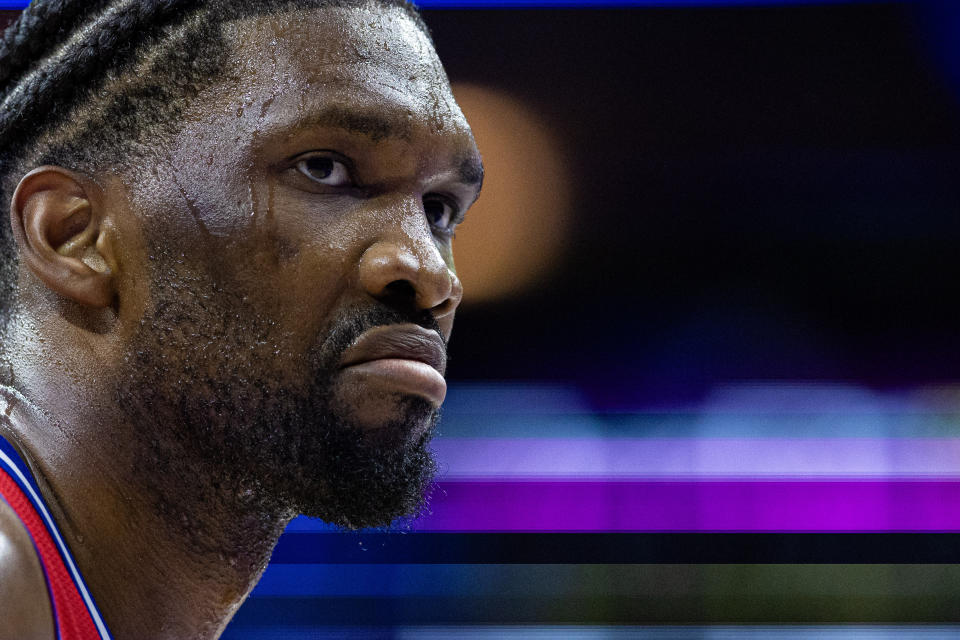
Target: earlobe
pixel 57 222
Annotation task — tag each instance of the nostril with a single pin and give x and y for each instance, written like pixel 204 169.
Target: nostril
pixel 400 291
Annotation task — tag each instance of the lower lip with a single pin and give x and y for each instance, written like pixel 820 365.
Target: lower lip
pixel 403 375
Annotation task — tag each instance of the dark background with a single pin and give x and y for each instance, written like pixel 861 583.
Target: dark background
pixel 761 193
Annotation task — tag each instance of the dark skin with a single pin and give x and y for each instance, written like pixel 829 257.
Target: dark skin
pixel 20 574
pixel 328 166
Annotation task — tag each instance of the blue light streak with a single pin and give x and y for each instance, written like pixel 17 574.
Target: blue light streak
pixel 573 4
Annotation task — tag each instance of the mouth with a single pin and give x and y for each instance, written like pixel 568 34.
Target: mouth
pixel 404 358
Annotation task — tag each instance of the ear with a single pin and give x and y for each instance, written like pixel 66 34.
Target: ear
pixel 57 219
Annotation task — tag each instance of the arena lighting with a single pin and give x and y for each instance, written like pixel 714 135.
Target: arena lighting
pixel 514 234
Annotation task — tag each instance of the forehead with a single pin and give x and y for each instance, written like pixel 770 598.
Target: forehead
pixel 362 58
pixel 364 82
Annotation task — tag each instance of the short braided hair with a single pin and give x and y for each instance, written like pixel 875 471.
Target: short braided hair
pixel 82 82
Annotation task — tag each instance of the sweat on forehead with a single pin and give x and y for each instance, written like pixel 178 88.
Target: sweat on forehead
pixel 374 31
pixel 84 83
pixel 342 62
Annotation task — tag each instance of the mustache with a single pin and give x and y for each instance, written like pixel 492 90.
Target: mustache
pixel 354 323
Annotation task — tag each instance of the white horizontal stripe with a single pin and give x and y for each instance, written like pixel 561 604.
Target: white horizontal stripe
pixel 698 457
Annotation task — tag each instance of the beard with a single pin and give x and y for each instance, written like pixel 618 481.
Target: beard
pixel 223 413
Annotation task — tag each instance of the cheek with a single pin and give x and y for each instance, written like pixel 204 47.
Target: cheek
pixel 300 284
pixel 211 182
pixel 285 250
pixel 447 254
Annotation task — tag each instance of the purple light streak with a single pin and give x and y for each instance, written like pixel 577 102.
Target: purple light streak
pixel 825 506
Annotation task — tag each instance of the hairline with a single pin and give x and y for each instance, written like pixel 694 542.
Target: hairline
pixel 67 141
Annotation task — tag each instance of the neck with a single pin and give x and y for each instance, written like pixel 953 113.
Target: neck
pixel 167 550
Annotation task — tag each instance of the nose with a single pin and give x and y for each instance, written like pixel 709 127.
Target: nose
pixel 404 270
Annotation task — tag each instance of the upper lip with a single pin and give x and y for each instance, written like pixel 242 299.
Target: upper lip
pixel 405 341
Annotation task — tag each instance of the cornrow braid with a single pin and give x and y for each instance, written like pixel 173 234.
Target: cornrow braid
pixel 48 89
pixel 35 30
pixel 84 82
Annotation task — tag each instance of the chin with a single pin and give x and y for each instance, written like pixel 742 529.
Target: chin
pixel 388 416
pixel 373 480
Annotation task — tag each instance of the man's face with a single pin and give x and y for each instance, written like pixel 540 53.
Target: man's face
pixel 298 245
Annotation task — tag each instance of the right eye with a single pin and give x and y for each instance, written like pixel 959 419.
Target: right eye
pixel 325 170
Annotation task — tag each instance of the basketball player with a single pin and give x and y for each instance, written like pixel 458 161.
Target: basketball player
pixel 228 291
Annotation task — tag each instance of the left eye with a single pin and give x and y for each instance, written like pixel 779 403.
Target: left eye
pixel 440 213
pixel 325 170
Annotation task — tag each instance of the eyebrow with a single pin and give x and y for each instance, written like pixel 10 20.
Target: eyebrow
pixel 471 171
pixel 374 126
pixel 377 128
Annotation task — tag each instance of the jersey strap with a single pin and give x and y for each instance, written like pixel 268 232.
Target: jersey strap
pixel 74 610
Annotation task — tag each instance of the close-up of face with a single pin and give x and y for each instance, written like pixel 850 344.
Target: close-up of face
pixel 297 234
pixel 703 379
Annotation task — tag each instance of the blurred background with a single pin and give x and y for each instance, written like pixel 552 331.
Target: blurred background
pixel 702 380
pixel 703 374
pixel 709 194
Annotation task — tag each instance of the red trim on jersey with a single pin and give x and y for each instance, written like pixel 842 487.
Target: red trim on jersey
pixel 72 618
